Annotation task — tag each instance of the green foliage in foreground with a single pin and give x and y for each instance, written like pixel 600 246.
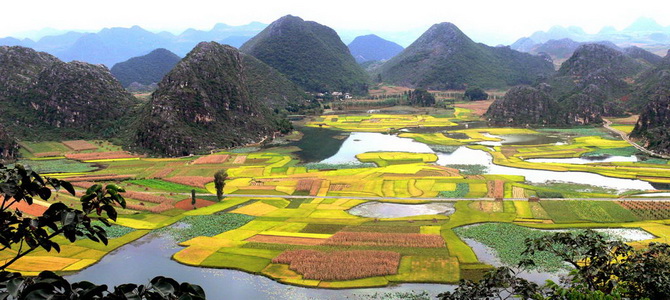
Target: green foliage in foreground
pixel 167 186
pixel 114 231
pixel 48 285
pixel 505 239
pixel 57 165
pixel 602 269
pixel 209 225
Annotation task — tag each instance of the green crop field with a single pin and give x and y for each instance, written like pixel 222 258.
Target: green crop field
pixel 249 234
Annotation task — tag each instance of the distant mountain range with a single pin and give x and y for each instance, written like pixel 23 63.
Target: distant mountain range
pixel 113 45
pixel 373 48
pixel 147 69
pixel 644 33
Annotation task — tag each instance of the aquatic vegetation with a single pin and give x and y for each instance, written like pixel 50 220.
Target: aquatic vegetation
pixel 461 190
pixel 507 240
pixel 469 169
pixel 210 225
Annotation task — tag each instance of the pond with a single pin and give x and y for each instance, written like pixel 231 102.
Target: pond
pixel 361 142
pixel 585 160
pixel 149 257
pixel 489 255
pixel 521 139
pixel 375 209
pixel 467 156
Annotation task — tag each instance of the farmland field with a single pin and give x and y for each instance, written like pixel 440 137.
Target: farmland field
pixel 288 219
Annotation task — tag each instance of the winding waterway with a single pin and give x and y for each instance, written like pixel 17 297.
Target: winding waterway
pixel 150 255
pixel 360 142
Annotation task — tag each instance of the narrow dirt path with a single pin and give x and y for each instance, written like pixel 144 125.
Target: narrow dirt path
pixel 625 137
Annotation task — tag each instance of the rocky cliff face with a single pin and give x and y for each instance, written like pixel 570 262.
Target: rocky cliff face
pixel 524 106
pixel 585 107
pixel 46 98
pixel 594 82
pixel 653 126
pixel 205 103
pixel 9 149
pixel 19 69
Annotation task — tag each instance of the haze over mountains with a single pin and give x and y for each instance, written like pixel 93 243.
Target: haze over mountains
pixel 147 69
pixel 218 96
pixel 112 45
pixel 373 48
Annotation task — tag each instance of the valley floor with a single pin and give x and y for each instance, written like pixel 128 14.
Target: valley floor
pixel 293 221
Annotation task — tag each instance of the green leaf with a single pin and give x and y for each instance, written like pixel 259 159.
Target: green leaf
pixel 111 212
pixel 94 189
pixel 68 218
pixel 68 187
pixel 45 193
pixel 14 286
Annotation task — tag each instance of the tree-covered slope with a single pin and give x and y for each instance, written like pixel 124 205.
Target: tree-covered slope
pixel 653 126
pixel 215 97
pixel 595 81
pixel 45 98
pixel 445 58
pixel 146 69
pixel 309 54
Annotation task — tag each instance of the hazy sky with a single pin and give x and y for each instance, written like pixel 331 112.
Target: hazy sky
pixel 499 21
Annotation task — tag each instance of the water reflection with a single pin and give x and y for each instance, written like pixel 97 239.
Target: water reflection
pixel 361 142
pixel 375 209
pixel 150 256
pixel 467 156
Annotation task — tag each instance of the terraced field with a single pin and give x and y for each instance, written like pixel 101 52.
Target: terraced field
pixel 313 241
